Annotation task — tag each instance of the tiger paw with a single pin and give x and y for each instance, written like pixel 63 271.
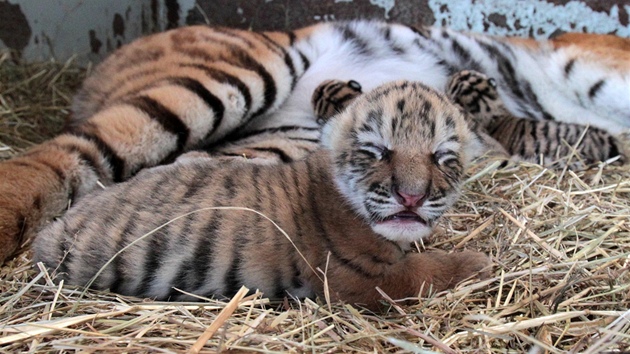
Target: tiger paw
pixel 11 226
pixel 32 189
pixel 476 93
pixel 471 264
pixel 460 266
pixel 332 97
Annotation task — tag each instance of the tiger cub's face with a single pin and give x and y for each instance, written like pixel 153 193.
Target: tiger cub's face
pixel 399 153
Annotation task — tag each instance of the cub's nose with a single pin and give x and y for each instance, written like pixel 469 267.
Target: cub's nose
pixel 409 200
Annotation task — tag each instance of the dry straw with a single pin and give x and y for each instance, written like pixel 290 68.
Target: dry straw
pixel 560 242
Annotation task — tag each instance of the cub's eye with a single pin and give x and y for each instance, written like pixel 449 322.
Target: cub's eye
pixel 444 156
pixel 378 152
pixel 492 82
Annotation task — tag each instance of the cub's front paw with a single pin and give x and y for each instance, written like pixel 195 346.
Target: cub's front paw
pixel 332 97
pixel 469 264
pixel 11 233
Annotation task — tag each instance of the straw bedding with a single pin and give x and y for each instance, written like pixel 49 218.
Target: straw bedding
pixel 560 242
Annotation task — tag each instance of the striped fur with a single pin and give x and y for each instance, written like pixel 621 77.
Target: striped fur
pixel 548 142
pixel 239 93
pixel 551 143
pixel 351 208
pixel 332 96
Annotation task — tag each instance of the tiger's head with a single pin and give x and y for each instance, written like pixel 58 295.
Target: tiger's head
pixel 399 154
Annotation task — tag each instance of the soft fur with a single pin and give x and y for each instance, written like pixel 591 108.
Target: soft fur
pixel 391 165
pixel 246 94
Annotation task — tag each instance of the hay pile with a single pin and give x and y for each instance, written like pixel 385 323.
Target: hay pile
pixel 560 242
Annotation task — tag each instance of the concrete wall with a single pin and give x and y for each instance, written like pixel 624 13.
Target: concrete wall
pixel 40 29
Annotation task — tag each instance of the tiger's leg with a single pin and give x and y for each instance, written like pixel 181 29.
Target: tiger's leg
pixel 418 274
pixel 149 102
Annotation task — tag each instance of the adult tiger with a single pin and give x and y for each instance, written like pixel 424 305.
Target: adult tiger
pixel 246 93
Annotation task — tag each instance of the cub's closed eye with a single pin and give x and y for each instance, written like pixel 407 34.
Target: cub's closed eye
pixel 376 151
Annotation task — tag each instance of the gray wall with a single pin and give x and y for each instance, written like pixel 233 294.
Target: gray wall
pixel 41 29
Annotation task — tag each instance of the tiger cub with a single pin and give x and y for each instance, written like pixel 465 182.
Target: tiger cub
pixel 523 139
pixel 390 166
pixel 548 142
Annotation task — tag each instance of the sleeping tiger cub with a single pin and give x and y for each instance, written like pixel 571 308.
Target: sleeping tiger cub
pixel 390 166
pixel 524 139
pixel 244 93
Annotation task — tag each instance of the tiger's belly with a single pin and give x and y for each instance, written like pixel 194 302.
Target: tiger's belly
pixel 371 66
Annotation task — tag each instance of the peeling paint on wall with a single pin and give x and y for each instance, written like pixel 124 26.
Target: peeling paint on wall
pixel 15 31
pixel 41 29
pixel 534 18
pixel 387 5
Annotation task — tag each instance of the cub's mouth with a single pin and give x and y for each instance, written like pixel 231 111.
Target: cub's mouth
pixel 404 217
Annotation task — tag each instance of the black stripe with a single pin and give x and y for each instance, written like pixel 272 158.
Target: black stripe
pixel 232 278
pixel 157 245
pixel 361 45
pixel 461 52
pixel 235 56
pixel 167 119
pixel 417 31
pixel 84 156
pixel 292 37
pixel 116 162
pixel 212 101
pixel 112 93
pixel 117 264
pixel 333 88
pixel 288 61
pixel 184 274
pixel 270 90
pixel 234 34
pixel 277 151
pixel 568 68
pixel 37 165
pixel 341 102
pixel 592 92
pixel 614 150
pixel 305 61
pixel 223 77
pixel 204 250
pixel 519 86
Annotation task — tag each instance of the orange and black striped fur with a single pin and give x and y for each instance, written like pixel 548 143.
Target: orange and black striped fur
pixel 240 93
pixel 391 165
